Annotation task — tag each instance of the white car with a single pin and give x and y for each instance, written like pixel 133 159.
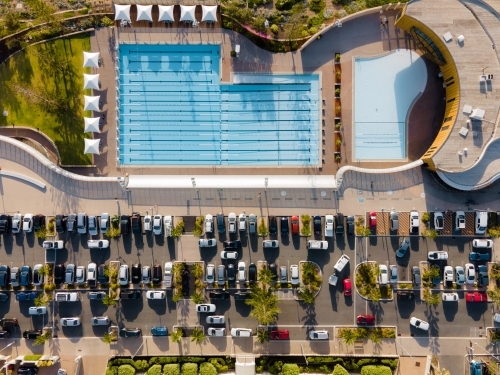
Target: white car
pixel 205 307
pixel 318 335
pixel 317 245
pixel 231 221
pixel 17 223
pixel 294 274
pixel 104 222
pixel 496 318
pixel 37 278
pixel 241 332
pixel 148 225
pixel 167 275
pixel 92 222
pixel 80 274
pixel 33 310
pixel 459 275
pixel 448 274
pixel 394 273
pixel 210 275
pixel 482 244
pixel 123 275
pixel 155 294
pixel 229 255
pixel 241 272
pixel 92 273
pixel 215 319
pixel 207 242
pixel 414 220
pixel 209 223
pixel 157 228
pixel 438 220
pixel 329 226
pixel 460 220
pixel 216 331
pixel 98 244
pixel 450 296
pixel 70 322
pixel 53 244
pixel 383 274
pixel 167 224
pixel 243 222
pixel 437 255
pixel 270 244
pixel 470 273
pixel 28 223
pixel 418 323
pixel 252 223
pixel 99 321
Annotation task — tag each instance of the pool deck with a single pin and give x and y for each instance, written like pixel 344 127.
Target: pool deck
pixel 363 36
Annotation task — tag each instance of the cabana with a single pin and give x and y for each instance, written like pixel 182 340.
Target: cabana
pixel 187 13
pixel 91 59
pixel 122 12
pixel 144 13
pixel 209 13
pixel 166 13
pixel 91 146
pixel 91 81
pixel 91 124
pixel 91 103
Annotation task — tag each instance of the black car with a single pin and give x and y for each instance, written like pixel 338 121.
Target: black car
pixel 317 224
pixel 32 334
pixel 38 222
pixel 5 223
pixel 350 224
pixel 221 225
pixel 284 226
pixel 101 275
pixel 252 273
pixel 218 294
pixel 136 223
pixel 99 296
pixel 406 296
pixel 241 296
pixel 71 221
pixel 60 223
pixel 4 275
pixel 125 224
pixel 27 371
pixel 9 323
pixel 274 271
pixel 59 271
pixel 130 332
pixel 232 244
pixel 130 294
pixel 136 274
pixel 339 224
pixel 231 274
pixel 273 225
pixel 4 334
pixel 156 274
pixel 4 297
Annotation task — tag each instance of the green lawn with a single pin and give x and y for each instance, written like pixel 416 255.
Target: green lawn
pixel 42 87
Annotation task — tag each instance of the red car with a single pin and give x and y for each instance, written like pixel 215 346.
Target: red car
pixel 476 297
pixel 365 319
pixel 280 334
pixel 347 287
pixel 295 225
pixel 372 221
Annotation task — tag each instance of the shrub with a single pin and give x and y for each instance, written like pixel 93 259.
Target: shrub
pixel 32 357
pixel 189 369
pixel 113 370
pixel 154 370
pixel 392 363
pixel 172 369
pixel 376 370
pixel 141 365
pixel 192 359
pixel 290 369
pixel 126 370
pixel 274 29
pixel 275 368
pixel 219 364
pixel 425 217
pixel 198 226
pixel 285 4
pixel 105 21
pixel 317 5
pixel 339 370
pixel 367 361
pixel 208 369
pixel 262 228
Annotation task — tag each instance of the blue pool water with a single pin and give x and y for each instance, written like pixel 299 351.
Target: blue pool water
pixel 173 110
pixel 384 90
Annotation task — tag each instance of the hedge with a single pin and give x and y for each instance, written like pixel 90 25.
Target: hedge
pixel 376 370
pixel 172 369
pixel 154 370
pixel 207 369
pixel 392 363
pixel 126 370
pixel 290 369
pixel 189 369
pixel 163 360
pixel 113 370
pixel 219 364
pixel 32 357
pixel 367 361
pixel 339 370
pixel 139 365
pixel 325 360
pixel 192 359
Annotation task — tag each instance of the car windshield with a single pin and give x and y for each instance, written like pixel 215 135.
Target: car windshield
pixel 26 220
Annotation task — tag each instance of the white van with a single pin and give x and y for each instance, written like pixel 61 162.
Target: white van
pixel 341 263
pixel 167 224
pixel 241 332
pixel 317 245
pixel 481 222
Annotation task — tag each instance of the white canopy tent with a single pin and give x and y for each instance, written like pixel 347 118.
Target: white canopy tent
pixel 122 12
pixel 166 13
pixel 187 13
pixel 209 13
pixel 91 124
pixel 91 59
pixel 91 81
pixel 144 13
pixel 477 114
pixel 91 146
pixel 91 103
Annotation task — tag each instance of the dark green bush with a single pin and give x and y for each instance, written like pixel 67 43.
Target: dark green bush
pixel 285 4
pixel 154 370
pixel 219 364
pixel 376 370
pixel 317 5
pixel 324 360
pixel 207 369
pixel 141 365
pixel 351 366
pixel 290 369
pixel 258 369
pixel 189 369
pixel 316 21
pixel 275 368
pixel 325 369
pixel 392 363
pixel 126 370
pixel 367 361
pixel 192 359
pixel 112 370
pixel 163 360
pixel 339 370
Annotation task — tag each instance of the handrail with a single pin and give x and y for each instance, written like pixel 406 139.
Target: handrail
pixel 19 176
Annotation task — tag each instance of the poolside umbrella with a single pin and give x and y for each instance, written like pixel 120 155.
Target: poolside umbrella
pixel 91 124
pixel 91 81
pixel 91 59
pixel 122 12
pixel 91 103
pixel 209 13
pixel 91 146
pixel 144 13
pixel 166 13
pixel 187 13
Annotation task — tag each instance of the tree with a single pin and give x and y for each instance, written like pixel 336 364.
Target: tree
pixel 40 340
pixel 494 232
pixel 265 277
pixel 494 295
pixel 176 335
pixel 177 295
pixel 430 298
pixel 109 300
pixel 339 370
pixel 294 27
pixel 363 231
pixel 263 335
pixel 42 300
pixel 108 338
pixel 198 298
pixel 197 270
pixel 495 271
pixel 426 217
pixel 262 228
pixel 11 20
pixel 347 335
pixel 265 305
pixel 198 336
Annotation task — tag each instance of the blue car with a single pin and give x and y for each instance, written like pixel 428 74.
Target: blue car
pixel 479 256
pixel 26 296
pixel 159 331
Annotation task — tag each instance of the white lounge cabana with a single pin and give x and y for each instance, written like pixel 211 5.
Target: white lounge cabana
pixel 122 12
pixel 91 81
pixel 91 103
pixel 187 13
pixel 477 114
pixel 91 59
pixel 144 13
pixel 209 13
pixel 91 124
pixel 166 13
pixel 91 146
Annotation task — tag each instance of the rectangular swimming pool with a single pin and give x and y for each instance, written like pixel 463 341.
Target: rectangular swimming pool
pixel 173 110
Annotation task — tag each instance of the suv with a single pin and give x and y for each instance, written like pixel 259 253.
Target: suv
pixel 101 276
pixel 93 230
pixel 231 222
pixel 123 276
pixel 130 294
pixel 26 274
pixel 284 225
pixel 60 223
pixel 17 223
pixel 69 276
pixel 273 226
pixel 252 224
pixel 438 220
pixel 81 223
pixel 5 223
pixel 136 223
pixel 71 223
pixel 406 295
pixel 156 278
pixel 221 226
pixel 124 224
pixel 14 276
pixel 394 221
pixel 339 224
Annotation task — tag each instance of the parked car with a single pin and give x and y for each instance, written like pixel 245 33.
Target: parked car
pixel 448 274
pixel 221 226
pixel 419 323
pixel 59 272
pixel 318 335
pixel 32 334
pixel 93 228
pixel 295 225
pixel 80 274
pixel 273 226
pixel 241 296
pixel 71 223
pixel 156 274
pixel 394 221
pixel 34 310
pixel 339 224
pixel 242 222
pixel 210 274
pixel 100 321
pixel 367 319
pixel 98 296
pixel 252 224
pixel 168 225
pixel 372 221
pixel 98 244
pixel 270 244
pixel 130 294
pixel 284 225
pixel 232 244
pixel 229 255
pixel 252 273
pixel 25 276
pixel 123 275
pixel 159 331
pixel 470 273
pixel 450 297
pixel 130 332
pixel 70 322
pixel 347 287
pixel 136 273
pixel 242 272
pixel 124 224
pixel 231 274
pixel 414 222
pixel 274 271
pixel 17 224
pixel 479 256
pixel 53 244
pixel 280 334
pixel 146 274
pixel 155 294
pixel 437 255
pixel 69 275
pixel 5 223
pixel 350 225
pixel 167 275
pixel 218 332
pixel 329 226
pixel 405 295
pixel 231 222
pixel 241 332
pixel 438 220
pixel 317 224
pixel 476 297
pixel 101 275
pixel 4 275
pixel 394 273
pixel 317 245
pixel 403 248
pixel 459 275
pixel 26 296
pixel 215 319
pixel 38 278
pixel 28 223
pixel 207 242
pixel 221 275
pixel 294 274
pixel 157 225
pixel 104 223
pixel 60 223
pixel 136 223
pixel 219 295
pixel 205 307
pixel 148 223
pixel 459 220
pixel 38 221
pixel 482 243
pixel 209 223
pixel 382 278
pixel 81 223
pixel 482 275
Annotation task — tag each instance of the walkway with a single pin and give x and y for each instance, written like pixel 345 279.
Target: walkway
pixel 29 133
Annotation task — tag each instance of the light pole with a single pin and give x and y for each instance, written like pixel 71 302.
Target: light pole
pixel 219 191
pixel 301 347
pixel 193 181
pixel 265 192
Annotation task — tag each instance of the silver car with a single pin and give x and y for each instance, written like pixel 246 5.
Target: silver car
pixel 104 222
pixel 93 229
pixel 252 224
pixel 157 225
pixel 99 321
pixel 210 274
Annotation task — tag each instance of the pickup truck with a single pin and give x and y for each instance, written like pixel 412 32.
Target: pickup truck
pixel 317 245
pixel 67 297
pixel 328 225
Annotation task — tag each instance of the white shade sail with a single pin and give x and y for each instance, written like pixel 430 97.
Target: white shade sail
pixel 91 146
pixel 166 13
pixel 122 12
pixel 91 124
pixel 209 13
pixel 91 59
pixel 187 12
pixel 144 13
pixel 91 103
pixel 91 81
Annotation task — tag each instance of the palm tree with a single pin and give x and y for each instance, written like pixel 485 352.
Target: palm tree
pixel 109 300
pixel 40 340
pixel 197 270
pixel 198 298
pixel 108 338
pixel 265 276
pixel 176 335
pixel 347 335
pixel 263 336
pixel 198 336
